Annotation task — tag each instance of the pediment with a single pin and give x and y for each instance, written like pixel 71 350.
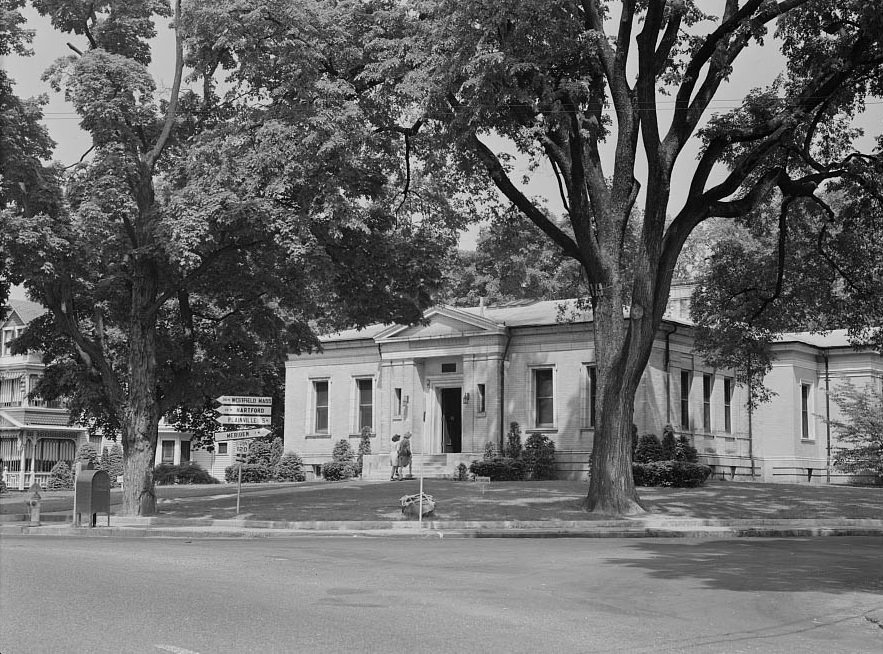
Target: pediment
pixel 441 322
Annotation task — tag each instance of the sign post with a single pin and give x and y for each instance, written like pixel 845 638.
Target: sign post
pixel 243 411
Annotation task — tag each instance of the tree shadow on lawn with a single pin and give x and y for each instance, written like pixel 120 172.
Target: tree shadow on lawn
pixel 765 501
pixel 827 565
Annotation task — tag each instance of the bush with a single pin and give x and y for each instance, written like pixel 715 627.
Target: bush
pixel 112 462
pixel 539 457
pixel 649 449
pixel 252 473
pixel 461 472
pixel 60 477
pixel 187 473
pixel 684 450
pixel 502 469
pixel 343 452
pixel 669 444
pixel 289 468
pixel 338 470
pixel 514 448
pixel 88 454
pixel 264 452
pixel 491 453
pixel 364 448
pixel 677 474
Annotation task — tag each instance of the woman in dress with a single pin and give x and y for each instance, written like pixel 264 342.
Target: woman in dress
pixel 394 457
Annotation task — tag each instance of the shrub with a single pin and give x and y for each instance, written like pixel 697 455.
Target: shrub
pixel 859 432
pixel 343 452
pixel 502 469
pixel 2 487
pixel 649 449
pixel 669 444
pixel 112 462
pixel 364 448
pixel 461 472
pixel 678 474
pixel 684 450
pixel 514 448
pixel 338 470
pixel 264 452
pixel 88 454
pixel 60 477
pixel 289 468
pixel 252 473
pixel 186 473
pixel 539 457
pixel 491 453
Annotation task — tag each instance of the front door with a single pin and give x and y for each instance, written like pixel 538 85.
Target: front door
pixel 452 420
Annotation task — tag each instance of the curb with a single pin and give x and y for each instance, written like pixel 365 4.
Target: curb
pixel 635 528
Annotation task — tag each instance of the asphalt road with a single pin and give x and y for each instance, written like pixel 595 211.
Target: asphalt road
pixel 377 595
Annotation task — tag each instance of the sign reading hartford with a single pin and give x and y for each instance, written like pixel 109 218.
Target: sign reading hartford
pixel 235 410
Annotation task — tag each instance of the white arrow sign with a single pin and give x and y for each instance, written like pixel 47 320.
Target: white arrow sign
pixel 245 399
pixel 241 434
pixel 243 420
pixel 236 410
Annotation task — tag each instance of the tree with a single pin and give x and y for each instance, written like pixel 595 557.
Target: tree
pixel 564 91
pixel 860 430
pixel 203 239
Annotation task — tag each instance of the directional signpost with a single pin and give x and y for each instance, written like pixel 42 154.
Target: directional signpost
pixel 243 411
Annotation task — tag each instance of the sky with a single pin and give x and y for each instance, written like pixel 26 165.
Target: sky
pixel 757 67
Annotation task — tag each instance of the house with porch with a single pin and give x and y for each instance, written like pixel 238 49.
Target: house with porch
pixel 457 380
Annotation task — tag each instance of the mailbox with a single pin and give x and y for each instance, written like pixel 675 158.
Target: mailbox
pixel 92 496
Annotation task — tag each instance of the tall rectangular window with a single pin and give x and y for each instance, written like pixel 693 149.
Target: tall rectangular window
pixel 804 411
pixel 320 407
pixel 168 451
pixel 728 401
pixel 481 406
pixel 365 393
pixel 707 381
pixel 589 396
pixel 686 382
pixel 185 451
pixel 397 402
pixel 544 398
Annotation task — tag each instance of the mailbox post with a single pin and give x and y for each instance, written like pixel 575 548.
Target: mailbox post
pixel 92 496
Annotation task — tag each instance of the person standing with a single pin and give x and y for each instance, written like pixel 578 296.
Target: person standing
pixel 405 455
pixel 394 457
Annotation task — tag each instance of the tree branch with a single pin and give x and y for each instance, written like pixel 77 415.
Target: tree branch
pixel 172 110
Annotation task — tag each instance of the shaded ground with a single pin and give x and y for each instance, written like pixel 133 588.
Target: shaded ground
pixel 523 501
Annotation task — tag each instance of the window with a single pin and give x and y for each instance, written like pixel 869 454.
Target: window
pixel 397 402
pixel 320 407
pixel 728 400
pixel 168 451
pixel 365 404
pixel 8 336
pixel 686 382
pixel 185 451
pixel 544 398
pixel 707 382
pixel 480 406
pixel 222 448
pixel 804 411
pixel 449 367
pixel 589 396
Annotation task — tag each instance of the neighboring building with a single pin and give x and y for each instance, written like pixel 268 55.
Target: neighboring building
pixel 458 380
pixel 35 435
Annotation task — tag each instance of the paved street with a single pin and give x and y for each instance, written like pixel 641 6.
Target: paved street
pixel 381 595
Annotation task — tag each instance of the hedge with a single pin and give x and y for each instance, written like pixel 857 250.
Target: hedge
pixel 502 469
pixel 678 474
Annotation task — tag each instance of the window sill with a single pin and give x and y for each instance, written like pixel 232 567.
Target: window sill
pixel 317 436
pixel 541 430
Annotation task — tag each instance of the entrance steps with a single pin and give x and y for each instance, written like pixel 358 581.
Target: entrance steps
pixel 434 466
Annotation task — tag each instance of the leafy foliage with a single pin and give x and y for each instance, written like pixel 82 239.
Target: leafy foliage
pixel 514 447
pixel 364 448
pixel 87 453
pixel 343 451
pixel 262 451
pixel 499 469
pixel 539 457
pixel 185 473
pixel 677 474
pixel 859 432
pixel 289 468
pixel 669 444
pixel 252 473
pixel 60 477
pixel 685 450
pixel 338 470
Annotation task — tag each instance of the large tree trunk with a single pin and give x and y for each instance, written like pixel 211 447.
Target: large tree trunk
pixel 141 416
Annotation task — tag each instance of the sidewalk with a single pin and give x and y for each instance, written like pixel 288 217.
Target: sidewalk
pixel 469 510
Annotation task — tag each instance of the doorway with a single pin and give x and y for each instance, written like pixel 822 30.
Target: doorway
pixel 452 420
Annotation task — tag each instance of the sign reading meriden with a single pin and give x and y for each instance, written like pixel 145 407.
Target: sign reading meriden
pixel 245 399
pixel 241 434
